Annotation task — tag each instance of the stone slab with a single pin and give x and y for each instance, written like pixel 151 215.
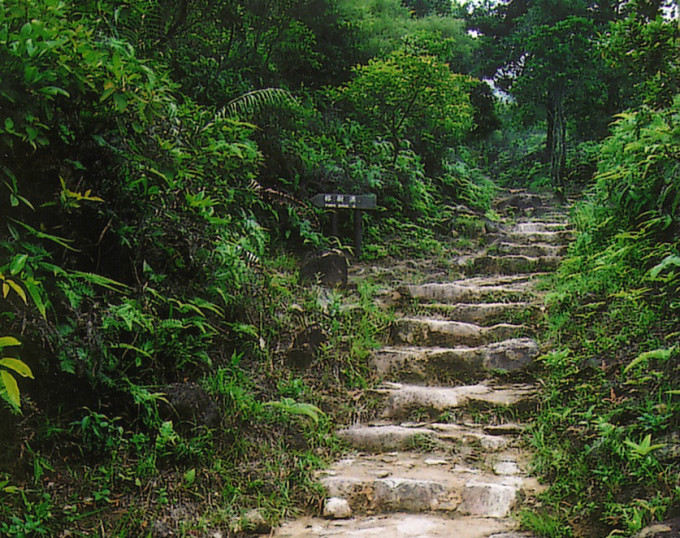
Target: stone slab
pixel 404 398
pixel 482 314
pixel 430 364
pixel 395 526
pixel 437 332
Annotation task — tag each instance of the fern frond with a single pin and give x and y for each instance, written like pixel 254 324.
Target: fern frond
pixel 255 101
pixel 291 407
pixel 303 210
pixel 145 23
pixel 250 259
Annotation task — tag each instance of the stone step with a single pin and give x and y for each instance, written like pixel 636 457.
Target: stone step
pixel 483 314
pixel 534 250
pixel 563 237
pixel 506 288
pixel 509 264
pixel 408 482
pixel 400 526
pixel 423 364
pixel 436 332
pixel 380 438
pixel 521 199
pixel 403 399
pixel 531 207
pixel 540 226
pixel 548 215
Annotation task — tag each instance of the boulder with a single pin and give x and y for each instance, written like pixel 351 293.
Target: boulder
pixel 327 268
pixel 188 404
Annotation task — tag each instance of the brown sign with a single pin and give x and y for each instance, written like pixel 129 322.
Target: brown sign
pixel 345 201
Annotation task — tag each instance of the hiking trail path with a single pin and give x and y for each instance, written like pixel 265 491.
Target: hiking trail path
pixel 445 456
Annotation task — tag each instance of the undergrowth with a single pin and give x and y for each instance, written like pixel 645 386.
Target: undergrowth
pixel 127 470
pixel 607 436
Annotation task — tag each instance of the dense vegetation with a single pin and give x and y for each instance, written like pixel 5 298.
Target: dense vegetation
pixel 156 158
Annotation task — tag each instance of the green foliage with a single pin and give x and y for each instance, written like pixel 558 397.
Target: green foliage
pixel 414 97
pixel 9 390
pixel 603 437
pixel 639 173
pixel 220 50
pixel 464 182
pixel 560 59
pixel 48 76
pixel 544 55
pixel 138 211
pixel 254 101
pixel 646 52
pixel 383 26
pixel 291 407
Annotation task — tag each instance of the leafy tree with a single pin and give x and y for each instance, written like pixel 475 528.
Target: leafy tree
pixel 408 97
pixel 639 179
pixel 383 26
pixel 560 74
pixel 218 50
pixel 646 52
pixel 543 54
pixel 111 183
pixel 423 8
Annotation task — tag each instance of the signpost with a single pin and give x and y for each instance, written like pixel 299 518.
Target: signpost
pixel 356 202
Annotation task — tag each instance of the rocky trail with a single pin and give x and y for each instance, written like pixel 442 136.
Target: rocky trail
pixel 445 457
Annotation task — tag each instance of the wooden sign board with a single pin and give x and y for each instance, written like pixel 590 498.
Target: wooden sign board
pixel 345 201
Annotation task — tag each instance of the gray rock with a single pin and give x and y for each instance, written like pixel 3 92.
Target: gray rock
pixel 189 404
pixel 305 347
pixel 404 398
pixel 654 531
pixel 512 535
pixel 343 487
pixel 488 499
pixel 510 355
pixel 464 292
pixel 509 428
pixel 506 468
pixel 511 264
pixel 470 437
pixel 562 237
pixel 427 364
pixel 395 525
pixel 406 494
pixel 415 364
pixel 328 268
pixel 253 522
pixel 533 250
pixel 538 226
pixel 436 332
pixel 336 508
pixel 383 438
pixel 481 313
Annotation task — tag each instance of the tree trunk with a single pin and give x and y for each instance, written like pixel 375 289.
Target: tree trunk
pixel 549 135
pixel 558 141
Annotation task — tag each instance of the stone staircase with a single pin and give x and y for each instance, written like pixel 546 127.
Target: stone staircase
pixel 444 457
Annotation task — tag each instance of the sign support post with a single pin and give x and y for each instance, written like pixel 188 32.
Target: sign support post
pixel 358 231
pixel 356 202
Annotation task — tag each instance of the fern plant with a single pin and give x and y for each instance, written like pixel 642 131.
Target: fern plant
pixel 291 407
pixel 254 102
